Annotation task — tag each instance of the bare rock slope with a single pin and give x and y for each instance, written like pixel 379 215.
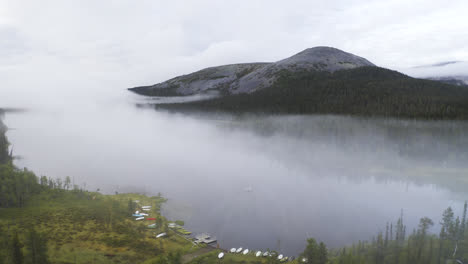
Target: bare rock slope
pixel 250 77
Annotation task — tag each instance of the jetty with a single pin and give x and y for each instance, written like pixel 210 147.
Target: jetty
pixel 204 238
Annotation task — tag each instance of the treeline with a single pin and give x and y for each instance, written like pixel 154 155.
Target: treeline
pixel 4 155
pixel 17 186
pixel 365 91
pixel 394 246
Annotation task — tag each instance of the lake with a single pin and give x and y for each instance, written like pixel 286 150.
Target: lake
pixel 254 181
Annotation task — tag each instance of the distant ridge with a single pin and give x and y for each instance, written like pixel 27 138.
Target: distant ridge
pixel 451 72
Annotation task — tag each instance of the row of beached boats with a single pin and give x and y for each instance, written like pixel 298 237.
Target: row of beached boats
pixel 175 227
pixel 141 216
pixel 205 238
pixel 260 254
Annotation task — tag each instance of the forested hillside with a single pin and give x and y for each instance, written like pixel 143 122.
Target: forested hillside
pixel 364 91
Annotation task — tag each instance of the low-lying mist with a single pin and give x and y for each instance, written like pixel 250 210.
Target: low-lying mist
pixel 253 181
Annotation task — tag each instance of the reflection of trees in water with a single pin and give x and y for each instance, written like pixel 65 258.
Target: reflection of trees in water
pixel 422 152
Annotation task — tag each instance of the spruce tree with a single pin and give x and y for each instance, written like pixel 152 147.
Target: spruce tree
pixel 311 252
pixel 16 253
pixel 424 224
pixel 37 248
pixel 322 253
pixel 463 223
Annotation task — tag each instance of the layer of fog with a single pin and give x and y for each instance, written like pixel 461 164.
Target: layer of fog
pixel 338 179
pixel 457 68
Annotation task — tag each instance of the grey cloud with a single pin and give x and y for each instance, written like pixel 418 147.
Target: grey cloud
pixel 124 44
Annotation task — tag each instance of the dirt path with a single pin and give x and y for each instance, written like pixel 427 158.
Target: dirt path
pixel 187 258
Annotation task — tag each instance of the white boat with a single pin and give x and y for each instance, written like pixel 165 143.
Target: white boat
pixel 140 218
pixel 146 209
pixel 258 254
pixel 239 250
pixel 233 250
pixel 144 214
pixel 266 254
pixel 161 235
pixel 246 251
pixel 221 255
pixel 280 256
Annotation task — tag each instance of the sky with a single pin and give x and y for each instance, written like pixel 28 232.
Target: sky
pixel 87 47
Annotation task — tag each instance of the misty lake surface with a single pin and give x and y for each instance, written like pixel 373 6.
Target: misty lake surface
pixel 256 182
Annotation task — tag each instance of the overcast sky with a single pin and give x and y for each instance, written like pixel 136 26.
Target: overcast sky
pixel 122 43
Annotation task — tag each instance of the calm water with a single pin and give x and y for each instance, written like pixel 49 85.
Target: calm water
pixel 254 181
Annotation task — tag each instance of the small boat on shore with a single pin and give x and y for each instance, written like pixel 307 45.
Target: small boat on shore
pixel 161 235
pixel 152 226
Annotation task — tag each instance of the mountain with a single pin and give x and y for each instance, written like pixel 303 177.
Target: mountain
pixel 249 77
pixel 452 72
pixel 319 80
